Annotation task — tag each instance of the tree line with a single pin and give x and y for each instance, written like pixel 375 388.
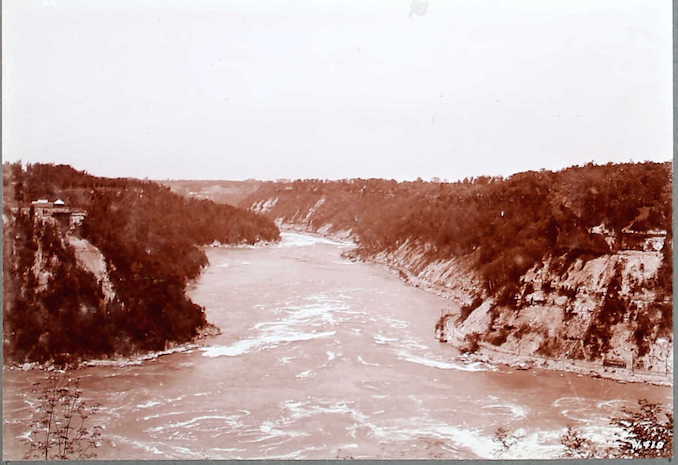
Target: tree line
pixel 151 239
pixel 503 226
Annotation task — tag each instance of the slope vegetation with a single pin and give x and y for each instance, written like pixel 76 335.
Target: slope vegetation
pixel 588 247
pixel 116 284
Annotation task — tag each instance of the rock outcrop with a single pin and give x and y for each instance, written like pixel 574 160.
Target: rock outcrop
pixel 91 259
pixel 604 314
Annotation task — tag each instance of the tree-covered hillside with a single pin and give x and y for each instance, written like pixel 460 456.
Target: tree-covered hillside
pixel 150 239
pixel 502 226
pixel 573 264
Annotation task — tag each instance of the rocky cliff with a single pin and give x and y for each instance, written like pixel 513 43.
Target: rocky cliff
pixel 571 269
pixel 103 270
pixel 605 315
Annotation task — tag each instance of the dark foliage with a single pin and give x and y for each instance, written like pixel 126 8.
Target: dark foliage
pixel 505 440
pixel 466 310
pixel 611 312
pixel 503 226
pixel 576 445
pixel 471 343
pixel 498 337
pixel 61 428
pixel 644 433
pixel 648 431
pixel 150 238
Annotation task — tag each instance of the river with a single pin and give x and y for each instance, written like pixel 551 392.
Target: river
pixel 322 358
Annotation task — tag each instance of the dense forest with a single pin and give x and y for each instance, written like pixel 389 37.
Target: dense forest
pixel 497 229
pixel 150 238
pixel 503 226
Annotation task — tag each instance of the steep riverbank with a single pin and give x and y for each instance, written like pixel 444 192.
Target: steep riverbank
pixel 546 329
pixel 323 358
pixel 98 267
pixel 540 317
pixel 568 265
pixel 120 360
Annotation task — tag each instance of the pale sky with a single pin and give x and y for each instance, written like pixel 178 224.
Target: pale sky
pixel 236 89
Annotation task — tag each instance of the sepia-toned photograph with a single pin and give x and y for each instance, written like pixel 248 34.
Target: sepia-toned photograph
pixel 337 230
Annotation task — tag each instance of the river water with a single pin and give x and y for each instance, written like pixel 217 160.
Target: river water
pixel 324 358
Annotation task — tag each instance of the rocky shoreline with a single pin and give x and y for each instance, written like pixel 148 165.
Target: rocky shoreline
pixel 487 353
pixel 494 355
pixel 117 359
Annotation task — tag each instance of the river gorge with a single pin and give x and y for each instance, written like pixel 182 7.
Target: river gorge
pixel 323 358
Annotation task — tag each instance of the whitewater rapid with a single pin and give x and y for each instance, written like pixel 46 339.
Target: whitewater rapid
pixel 320 360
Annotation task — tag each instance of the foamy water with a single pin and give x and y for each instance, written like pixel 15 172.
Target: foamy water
pixel 318 360
pixel 265 342
pixel 293 239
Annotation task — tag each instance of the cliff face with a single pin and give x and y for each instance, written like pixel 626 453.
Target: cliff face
pixel 56 305
pixel 596 298
pixel 451 278
pixel 305 216
pixel 103 271
pixel 606 309
pixel 92 260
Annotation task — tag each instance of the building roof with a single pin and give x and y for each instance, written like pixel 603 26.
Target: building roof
pixel 59 202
